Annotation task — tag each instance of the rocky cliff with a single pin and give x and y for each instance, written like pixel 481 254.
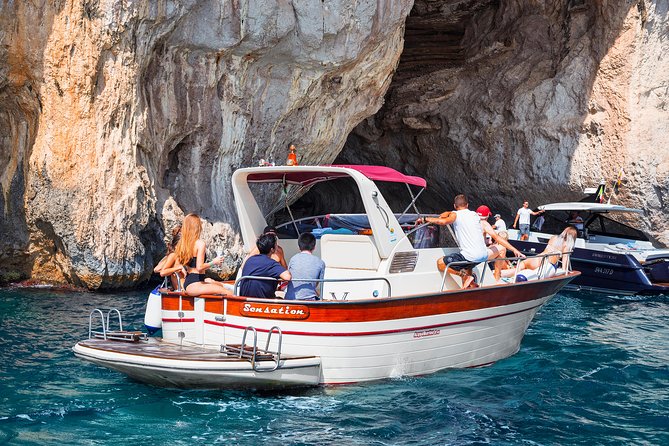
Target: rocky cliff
pixel 514 100
pixel 116 118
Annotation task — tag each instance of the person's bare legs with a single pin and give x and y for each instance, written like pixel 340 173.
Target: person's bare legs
pixel 199 288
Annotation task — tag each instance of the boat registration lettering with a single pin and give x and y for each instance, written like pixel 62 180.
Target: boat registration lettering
pixel 425 333
pixel 604 256
pixel 607 271
pixel 273 311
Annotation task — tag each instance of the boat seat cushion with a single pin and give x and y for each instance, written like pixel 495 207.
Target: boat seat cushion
pixel 349 252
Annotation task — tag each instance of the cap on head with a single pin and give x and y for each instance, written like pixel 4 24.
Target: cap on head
pixel 498 216
pixel 483 211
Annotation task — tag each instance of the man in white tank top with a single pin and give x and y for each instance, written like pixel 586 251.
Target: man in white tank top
pixel 469 232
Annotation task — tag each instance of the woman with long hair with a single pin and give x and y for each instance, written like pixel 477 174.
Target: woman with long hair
pixel 168 265
pixel 190 252
pixel 559 246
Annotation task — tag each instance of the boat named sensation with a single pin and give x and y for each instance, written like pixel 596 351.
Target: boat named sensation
pixel 386 310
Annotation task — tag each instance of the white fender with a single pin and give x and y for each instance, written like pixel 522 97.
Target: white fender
pixel 153 317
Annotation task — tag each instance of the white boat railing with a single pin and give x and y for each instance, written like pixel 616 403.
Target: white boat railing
pixel 352 279
pixel 510 259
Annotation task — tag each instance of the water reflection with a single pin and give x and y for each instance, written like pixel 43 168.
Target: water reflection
pixel 589 371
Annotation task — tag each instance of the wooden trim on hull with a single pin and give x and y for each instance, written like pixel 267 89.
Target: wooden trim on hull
pixel 380 332
pixel 385 309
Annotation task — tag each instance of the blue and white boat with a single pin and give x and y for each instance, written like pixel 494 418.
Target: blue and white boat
pixel 613 257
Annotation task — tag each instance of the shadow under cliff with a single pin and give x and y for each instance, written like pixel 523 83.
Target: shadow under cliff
pixel 24 29
pixel 490 99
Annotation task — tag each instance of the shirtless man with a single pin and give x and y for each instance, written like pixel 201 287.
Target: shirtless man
pixel 277 255
pixel 469 232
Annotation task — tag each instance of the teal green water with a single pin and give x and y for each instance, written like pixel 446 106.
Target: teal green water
pixel 591 370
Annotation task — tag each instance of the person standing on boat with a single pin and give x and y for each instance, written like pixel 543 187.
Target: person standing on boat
pixel 469 233
pixel 500 225
pixel 524 214
pixel 263 265
pixel 190 252
pixel 305 265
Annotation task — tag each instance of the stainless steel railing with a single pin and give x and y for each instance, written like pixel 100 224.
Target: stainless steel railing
pixel 353 279
pixel 515 275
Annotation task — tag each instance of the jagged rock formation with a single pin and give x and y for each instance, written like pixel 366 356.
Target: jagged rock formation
pixel 118 117
pixel 516 100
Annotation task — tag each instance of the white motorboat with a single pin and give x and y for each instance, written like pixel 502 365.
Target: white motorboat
pixel 387 311
pixel 612 256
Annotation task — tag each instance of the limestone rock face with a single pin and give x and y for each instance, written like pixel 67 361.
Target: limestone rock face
pixel 116 118
pixel 507 101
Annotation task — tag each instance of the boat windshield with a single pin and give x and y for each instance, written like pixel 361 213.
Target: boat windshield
pixel 595 223
pixel 599 224
pixel 335 206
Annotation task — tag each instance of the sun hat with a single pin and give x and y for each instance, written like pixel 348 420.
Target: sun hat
pixel 498 216
pixel 483 211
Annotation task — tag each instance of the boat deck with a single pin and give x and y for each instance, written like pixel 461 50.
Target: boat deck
pixel 157 348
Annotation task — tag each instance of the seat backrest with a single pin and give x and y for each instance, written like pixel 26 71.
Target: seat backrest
pixel 349 252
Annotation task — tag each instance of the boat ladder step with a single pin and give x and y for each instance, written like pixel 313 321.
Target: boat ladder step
pixel 127 336
pixel 112 335
pixel 256 355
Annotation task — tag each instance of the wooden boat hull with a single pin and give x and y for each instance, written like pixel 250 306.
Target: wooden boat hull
pixel 166 364
pixel 374 339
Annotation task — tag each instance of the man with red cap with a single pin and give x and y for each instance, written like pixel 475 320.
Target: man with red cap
pixel 495 250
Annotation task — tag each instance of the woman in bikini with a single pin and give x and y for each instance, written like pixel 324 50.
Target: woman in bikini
pixel 558 245
pixel 168 265
pixel 190 252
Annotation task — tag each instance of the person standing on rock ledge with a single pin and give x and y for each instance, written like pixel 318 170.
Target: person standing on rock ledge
pixel 191 252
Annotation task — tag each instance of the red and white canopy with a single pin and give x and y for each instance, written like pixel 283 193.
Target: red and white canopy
pixel 305 177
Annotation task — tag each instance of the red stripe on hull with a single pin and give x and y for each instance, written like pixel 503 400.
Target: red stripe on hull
pixel 371 333
pixel 179 320
pixel 396 308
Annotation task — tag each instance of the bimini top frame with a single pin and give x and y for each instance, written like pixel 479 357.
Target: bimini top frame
pixel 385 227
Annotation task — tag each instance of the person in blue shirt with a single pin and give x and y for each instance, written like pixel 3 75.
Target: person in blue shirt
pixel 262 265
pixel 305 265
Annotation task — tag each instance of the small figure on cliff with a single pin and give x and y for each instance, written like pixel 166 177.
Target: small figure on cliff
pixel 524 214
pixel 168 265
pixel 263 265
pixel 190 252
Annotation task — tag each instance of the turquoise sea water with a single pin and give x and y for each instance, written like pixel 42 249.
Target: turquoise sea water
pixel 591 370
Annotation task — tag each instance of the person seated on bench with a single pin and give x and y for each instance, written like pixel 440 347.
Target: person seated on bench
pixel 191 252
pixel 263 265
pixel 469 233
pixel 559 245
pixel 305 265
pixel 168 265
pixel 278 251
